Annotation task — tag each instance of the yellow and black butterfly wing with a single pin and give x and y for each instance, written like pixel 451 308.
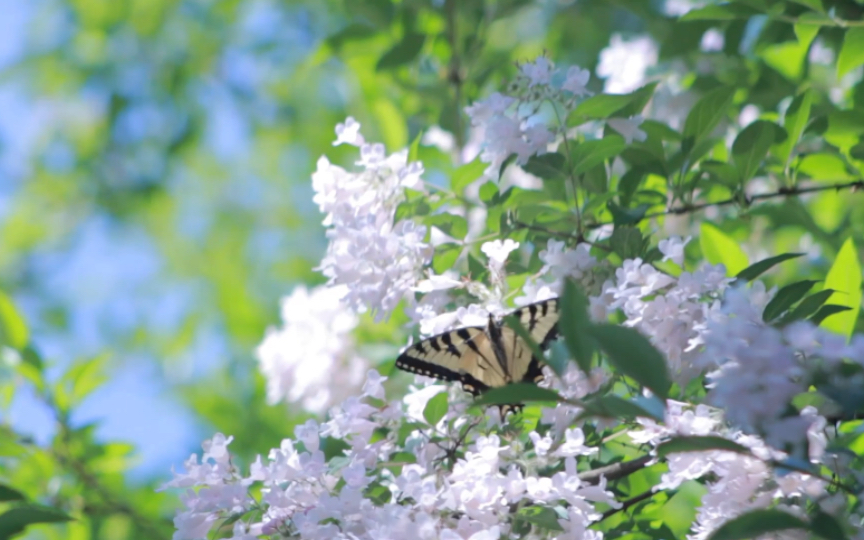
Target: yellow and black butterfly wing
pixel 541 321
pixel 468 355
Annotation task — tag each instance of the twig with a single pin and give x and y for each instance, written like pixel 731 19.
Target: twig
pixel 783 192
pixel 627 504
pixel 616 470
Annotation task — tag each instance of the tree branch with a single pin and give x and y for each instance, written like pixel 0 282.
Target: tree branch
pixel 616 470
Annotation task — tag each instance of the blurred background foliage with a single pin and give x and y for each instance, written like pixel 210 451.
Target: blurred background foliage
pixel 155 196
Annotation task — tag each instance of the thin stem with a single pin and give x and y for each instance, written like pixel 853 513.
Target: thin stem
pixel 616 470
pixel 627 504
pixel 782 192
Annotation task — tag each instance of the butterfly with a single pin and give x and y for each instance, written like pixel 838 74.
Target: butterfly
pixel 486 357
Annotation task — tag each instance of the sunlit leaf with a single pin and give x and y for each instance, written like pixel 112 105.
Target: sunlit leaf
pixel 719 248
pixel 844 278
pixel 436 408
pixel 852 53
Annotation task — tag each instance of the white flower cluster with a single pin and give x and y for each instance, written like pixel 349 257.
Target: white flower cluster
pixel 378 260
pixel 672 312
pixel 444 481
pixel 739 482
pixel 514 124
pixel 311 358
pixel 758 369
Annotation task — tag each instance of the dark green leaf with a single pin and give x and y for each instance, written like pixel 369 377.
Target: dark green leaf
pixel 436 408
pixel 808 306
pixel 705 115
pixel 826 526
pixel 757 523
pixel 572 324
pixel 549 166
pixel 402 53
pixel 403 457
pixel 542 516
pixel 589 154
pixel 627 242
pixel 626 216
pixel 16 519
pixel 725 173
pixel 517 393
pixel 757 269
pixel 699 444
pixel 633 355
pixel 352 32
pixel 785 298
pixel 611 406
pixel 10 494
pixel 751 146
pixel 826 311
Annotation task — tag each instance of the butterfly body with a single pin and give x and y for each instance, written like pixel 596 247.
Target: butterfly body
pixel 486 357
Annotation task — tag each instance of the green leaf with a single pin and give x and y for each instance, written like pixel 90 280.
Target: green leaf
pixel 852 53
pixel 721 12
pixel 607 105
pixel 13 329
pixel 549 166
pixel 466 174
pixel 611 406
pixel 589 154
pixel 845 278
pixel 720 248
pixel 633 355
pixel 450 224
pixel 808 306
pixel 826 311
pixel 517 393
pixel 751 146
pixel 445 257
pixel 785 298
pixel 826 526
pixel 824 166
pixel 16 519
pixel 85 376
pixel 573 322
pixel 757 523
pixel 488 191
pixel 757 269
pixel 10 494
pixel 705 115
pixel 436 408
pixel 402 53
pixel 723 172
pixel 794 122
pixel 542 516
pixel 815 5
pixel 627 242
pixel 699 444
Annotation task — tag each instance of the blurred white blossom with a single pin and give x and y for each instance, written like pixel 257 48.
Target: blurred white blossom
pixel 310 359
